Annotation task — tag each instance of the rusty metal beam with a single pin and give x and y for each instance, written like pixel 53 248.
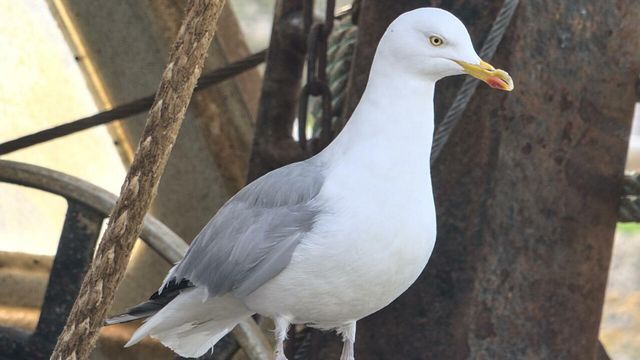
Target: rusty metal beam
pixel 527 189
pixel 273 144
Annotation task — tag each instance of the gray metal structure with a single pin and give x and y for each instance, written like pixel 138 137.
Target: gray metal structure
pixel 88 206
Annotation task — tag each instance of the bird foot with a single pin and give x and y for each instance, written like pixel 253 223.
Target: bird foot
pixel 347 353
pixel 279 356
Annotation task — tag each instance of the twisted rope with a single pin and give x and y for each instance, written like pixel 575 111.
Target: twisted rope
pixel 341 45
pixel 125 223
pixel 470 84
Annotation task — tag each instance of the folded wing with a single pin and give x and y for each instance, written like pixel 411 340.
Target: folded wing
pixel 253 236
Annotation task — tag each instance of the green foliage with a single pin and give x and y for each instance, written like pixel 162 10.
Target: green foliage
pixel 630 228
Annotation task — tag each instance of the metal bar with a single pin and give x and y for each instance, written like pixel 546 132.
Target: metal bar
pixel 132 108
pixel 273 144
pixel 75 251
pixel 137 106
pixel 157 235
pixel 154 233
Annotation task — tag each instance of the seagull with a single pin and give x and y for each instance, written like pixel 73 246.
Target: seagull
pixel 332 239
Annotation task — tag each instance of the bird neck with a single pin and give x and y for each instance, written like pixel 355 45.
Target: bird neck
pixel 393 121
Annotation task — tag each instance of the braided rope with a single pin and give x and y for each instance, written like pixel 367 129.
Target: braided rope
pixel 470 84
pixel 341 45
pixel 186 59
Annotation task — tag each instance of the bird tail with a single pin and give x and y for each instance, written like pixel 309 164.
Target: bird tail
pixel 191 324
pixel 140 311
pixel 168 292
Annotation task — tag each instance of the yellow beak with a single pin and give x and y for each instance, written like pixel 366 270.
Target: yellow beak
pixel 496 78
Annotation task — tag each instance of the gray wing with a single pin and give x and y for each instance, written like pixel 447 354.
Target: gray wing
pixel 252 237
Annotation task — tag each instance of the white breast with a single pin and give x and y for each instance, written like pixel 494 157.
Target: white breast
pixel 378 225
pixel 374 240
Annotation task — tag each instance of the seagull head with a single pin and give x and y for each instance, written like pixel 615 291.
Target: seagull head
pixel 433 43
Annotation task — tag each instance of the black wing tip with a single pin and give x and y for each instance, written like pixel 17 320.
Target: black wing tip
pixel 155 303
pixel 172 288
pixel 120 319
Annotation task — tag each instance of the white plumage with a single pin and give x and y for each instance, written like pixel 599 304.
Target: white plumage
pixel 330 240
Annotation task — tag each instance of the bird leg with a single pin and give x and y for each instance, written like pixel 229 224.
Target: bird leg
pixel 348 333
pixel 282 327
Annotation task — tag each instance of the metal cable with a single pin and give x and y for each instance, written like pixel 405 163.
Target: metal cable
pixel 132 108
pixel 629 210
pixel 341 45
pixel 469 86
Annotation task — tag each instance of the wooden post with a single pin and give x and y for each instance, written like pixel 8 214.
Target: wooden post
pixel 527 188
pixel 98 288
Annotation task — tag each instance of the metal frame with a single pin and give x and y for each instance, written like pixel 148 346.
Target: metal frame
pixel 88 206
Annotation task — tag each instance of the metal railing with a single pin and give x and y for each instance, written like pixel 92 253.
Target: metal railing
pixel 88 206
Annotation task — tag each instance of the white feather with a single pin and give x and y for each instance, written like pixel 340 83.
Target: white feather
pixel 191 327
pixel 374 220
pixel 377 226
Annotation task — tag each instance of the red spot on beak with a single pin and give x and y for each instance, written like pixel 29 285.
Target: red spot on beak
pixel 496 83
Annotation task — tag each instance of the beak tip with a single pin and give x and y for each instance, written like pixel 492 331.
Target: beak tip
pixel 500 83
pixel 495 78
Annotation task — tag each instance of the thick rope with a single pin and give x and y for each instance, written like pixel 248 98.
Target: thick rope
pixel 341 45
pixel 132 108
pixel 176 87
pixel 470 84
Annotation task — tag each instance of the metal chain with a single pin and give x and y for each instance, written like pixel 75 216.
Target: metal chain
pixel 316 85
pixel 469 86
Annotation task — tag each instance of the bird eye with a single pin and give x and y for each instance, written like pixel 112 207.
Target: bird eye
pixel 436 40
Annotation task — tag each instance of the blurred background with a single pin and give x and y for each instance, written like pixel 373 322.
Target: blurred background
pixel 48 77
